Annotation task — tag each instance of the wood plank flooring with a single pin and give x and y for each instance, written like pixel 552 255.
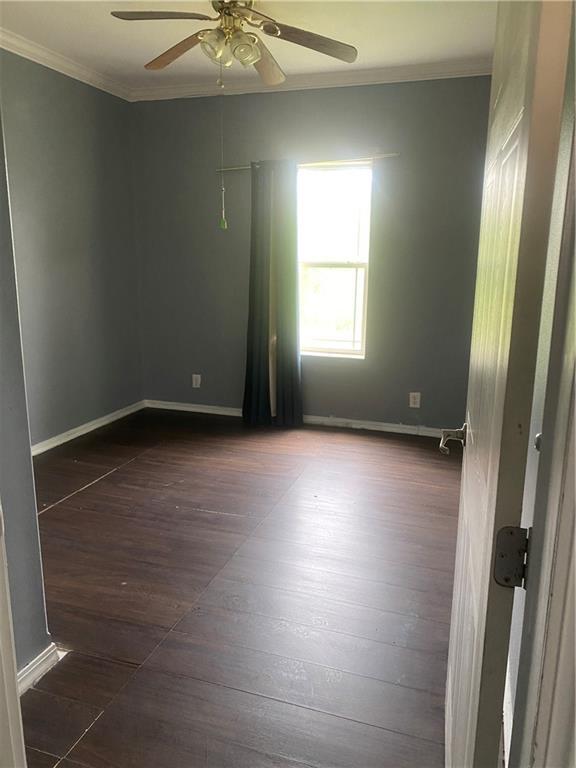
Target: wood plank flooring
pixel 235 598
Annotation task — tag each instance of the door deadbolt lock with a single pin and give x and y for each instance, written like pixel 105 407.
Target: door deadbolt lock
pixel 452 434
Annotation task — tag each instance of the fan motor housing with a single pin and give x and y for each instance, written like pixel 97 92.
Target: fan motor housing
pixel 221 5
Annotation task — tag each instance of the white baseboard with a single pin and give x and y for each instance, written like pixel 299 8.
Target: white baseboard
pixel 221 410
pixel 167 405
pixel 324 421
pixel 375 426
pixel 89 426
pixel 34 670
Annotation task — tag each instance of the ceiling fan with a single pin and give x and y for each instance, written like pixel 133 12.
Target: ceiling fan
pixel 228 40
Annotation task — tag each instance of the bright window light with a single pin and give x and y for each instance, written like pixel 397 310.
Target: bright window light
pixel 333 247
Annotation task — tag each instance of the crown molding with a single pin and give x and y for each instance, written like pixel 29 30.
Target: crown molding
pixel 408 73
pixel 14 43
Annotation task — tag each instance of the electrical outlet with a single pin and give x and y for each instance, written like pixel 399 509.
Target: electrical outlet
pixel 414 399
pixel 196 380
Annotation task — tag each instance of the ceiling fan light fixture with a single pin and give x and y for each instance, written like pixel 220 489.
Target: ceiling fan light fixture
pixel 245 48
pixel 213 44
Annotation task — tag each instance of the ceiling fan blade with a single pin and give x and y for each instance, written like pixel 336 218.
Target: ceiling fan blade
pixel 325 45
pixel 267 67
pixel 273 28
pixel 175 52
pixel 151 15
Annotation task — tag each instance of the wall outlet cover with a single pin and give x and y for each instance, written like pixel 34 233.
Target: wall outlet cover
pixel 414 399
pixel 196 380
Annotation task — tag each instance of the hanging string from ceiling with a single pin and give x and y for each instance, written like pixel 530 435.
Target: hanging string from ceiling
pixel 223 221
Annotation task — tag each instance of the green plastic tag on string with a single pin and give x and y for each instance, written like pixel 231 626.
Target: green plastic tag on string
pixel 223 222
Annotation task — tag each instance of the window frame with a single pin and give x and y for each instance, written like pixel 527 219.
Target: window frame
pixel 326 351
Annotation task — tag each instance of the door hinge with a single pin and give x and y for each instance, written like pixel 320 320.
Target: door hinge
pixel 511 556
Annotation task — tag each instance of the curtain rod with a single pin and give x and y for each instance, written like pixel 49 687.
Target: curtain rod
pixel 355 161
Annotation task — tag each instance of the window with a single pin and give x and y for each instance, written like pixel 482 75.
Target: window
pixel 333 244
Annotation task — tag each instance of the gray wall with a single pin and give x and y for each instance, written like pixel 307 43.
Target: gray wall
pixel 423 256
pixel 80 262
pixel 16 480
pixel 67 149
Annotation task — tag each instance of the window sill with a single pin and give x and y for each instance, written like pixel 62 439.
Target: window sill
pixel 345 355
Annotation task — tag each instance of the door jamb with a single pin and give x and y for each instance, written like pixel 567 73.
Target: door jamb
pixel 548 585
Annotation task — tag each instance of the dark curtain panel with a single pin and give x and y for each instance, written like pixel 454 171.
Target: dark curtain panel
pixel 256 408
pixel 272 392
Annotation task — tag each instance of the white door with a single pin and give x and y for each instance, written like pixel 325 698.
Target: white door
pixel 11 740
pixel 526 104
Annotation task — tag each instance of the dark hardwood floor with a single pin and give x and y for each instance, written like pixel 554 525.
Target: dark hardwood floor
pixel 234 598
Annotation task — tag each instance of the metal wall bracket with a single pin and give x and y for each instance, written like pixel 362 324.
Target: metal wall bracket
pixel 511 556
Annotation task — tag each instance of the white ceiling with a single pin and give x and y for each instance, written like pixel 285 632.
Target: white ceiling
pixel 396 41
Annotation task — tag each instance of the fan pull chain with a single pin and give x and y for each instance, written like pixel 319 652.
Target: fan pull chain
pixel 223 222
